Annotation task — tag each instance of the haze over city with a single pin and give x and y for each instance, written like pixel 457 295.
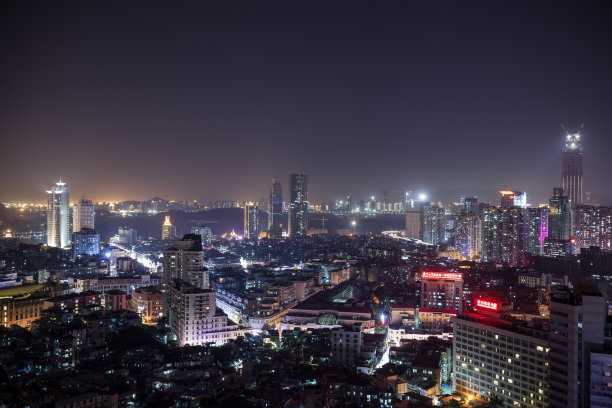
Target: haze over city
pixel 199 101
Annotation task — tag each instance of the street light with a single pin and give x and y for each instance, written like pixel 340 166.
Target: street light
pixel 354 224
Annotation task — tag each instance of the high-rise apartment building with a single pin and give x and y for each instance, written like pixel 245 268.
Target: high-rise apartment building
pixel 577 321
pixel 538 229
pixel 505 234
pixel 275 209
pixel 168 230
pixel 83 215
pixel 571 168
pixel 442 290
pixel 468 235
pixel 414 217
pixel 58 216
pixel 593 227
pixel 425 221
pixel 185 260
pixel 298 205
pixel 560 215
pixel 496 356
pixel 251 221
pixel 434 225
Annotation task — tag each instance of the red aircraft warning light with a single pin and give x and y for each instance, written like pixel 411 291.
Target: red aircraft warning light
pixel 487 304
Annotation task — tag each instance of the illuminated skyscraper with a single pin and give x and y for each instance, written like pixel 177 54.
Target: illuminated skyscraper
pixel 168 230
pixel 571 168
pixel 58 216
pixel 82 215
pixel 298 205
pixel 251 224
pixel 276 209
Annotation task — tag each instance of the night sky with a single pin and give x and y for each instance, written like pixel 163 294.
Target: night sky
pixel 130 100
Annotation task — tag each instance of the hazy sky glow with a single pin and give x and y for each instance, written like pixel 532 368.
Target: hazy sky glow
pixel 128 100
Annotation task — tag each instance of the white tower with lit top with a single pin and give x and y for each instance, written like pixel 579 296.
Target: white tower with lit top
pixel 58 216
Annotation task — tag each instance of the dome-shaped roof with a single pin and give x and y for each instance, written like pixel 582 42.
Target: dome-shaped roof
pixel 328 319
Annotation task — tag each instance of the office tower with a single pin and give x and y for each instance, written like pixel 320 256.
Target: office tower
pixel 433 223
pixel 593 227
pixel 82 215
pixel 560 215
pixel 441 290
pixel 298 205
pixel 511 199
pixel 168 230
pixel 571 168
pixel 577 321
pixel 538 229
pixel 58 216
pixel 498 357
pixel 204 232
pixel 251 223
pixel 194 319
pixel 86 242
pixel 276 210
pixel 505 234
pixel 468 235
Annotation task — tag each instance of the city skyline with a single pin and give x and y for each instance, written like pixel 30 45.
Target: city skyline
pixel 361 99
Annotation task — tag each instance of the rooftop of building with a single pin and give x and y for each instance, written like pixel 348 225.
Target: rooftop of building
pixel 537 328
pixel 347 296
pixel 71 296
pixel 154 290
pixel 20 290
pixel 115 292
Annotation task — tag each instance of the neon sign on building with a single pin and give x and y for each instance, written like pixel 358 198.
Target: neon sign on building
pixel 441 275
pixel 487 304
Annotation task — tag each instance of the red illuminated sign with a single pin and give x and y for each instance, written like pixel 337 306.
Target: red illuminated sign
pixel 486 304
pixel 441 275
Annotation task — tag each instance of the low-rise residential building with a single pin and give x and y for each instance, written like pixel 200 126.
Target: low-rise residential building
pixel 148 302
